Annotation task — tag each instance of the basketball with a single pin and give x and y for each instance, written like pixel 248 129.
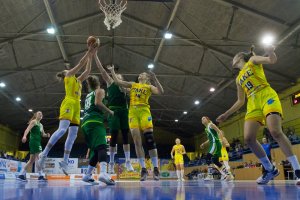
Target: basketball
pixel 92 40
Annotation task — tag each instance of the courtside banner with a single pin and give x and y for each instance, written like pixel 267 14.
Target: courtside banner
pixel 167 169
pixel 52 166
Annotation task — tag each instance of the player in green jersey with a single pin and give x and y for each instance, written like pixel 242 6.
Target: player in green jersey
pixel 215 137
pixel 95 132
pixel 36 130
pixel 117 102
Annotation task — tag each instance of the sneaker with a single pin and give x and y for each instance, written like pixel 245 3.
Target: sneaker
pixel 88 179
pixel 22 178
pixel 41 161
pixel 229 177
pixel 179 180
pixel 105 178
pixel 144 174
pixel 129 166
pixel 111 168
pixel 156 174
pixel 209 177
pixel 182 179
pixel 63 165
pixel 267 176
pixel 297 174
pixel 223 177
pixel 42 178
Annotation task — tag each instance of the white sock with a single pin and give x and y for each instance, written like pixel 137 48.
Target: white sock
pixel 23 172
pixel 142 162
pixel 73 130
pixel 154 161
pixel 266 163
pixel 90 170
pixel 178 173
pixel 294 161
pixel 40 173
pixel 182 173
pixel 111 156
pixel 127 155
pixel 103 167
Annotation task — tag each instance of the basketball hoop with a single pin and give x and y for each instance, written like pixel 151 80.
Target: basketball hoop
pixel 112 10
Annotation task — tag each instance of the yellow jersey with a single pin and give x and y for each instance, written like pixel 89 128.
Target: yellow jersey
pixel 72 87
pixel 252 78
pixel 178 148
pixel 139 94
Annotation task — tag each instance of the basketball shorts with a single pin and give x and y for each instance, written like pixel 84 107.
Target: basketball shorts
pixel 224 156
pixel 119 121
pixel 140 117
pixel 70 110
pixel 94 134
pixel 178 160
pixel 215 149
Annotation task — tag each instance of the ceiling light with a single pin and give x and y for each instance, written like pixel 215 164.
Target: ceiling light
pixel 18 99
pixel 30 110
pixel 168 35
pixel 184 112
pixel 50 30
pixel 176 120
pixel 268 39
pixel 212 89
pixel 150 66
pixel 197 102
pixel 2 84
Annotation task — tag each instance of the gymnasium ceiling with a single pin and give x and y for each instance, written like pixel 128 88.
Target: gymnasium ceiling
pixel 206 35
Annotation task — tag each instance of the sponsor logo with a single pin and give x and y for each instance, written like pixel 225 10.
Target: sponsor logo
pixel 2 176
pixel 71 161
pixel 270 101
pixel 149 119
pixel 67 110
pixel 3 163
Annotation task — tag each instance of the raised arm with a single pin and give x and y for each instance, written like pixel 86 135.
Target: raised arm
pixel 270 59
pixel 103 72
pixel 236 106
pixel 157 89
pixel 99 95
pixel 28 129
pixel 81 63
pixel 84 75
pixel 119 82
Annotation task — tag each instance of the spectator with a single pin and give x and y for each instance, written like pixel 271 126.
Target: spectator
pixel 267 148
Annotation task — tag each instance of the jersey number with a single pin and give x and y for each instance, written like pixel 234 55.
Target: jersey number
pixel 249 85
pixel 87 103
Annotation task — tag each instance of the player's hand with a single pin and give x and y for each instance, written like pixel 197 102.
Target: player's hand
pixel 222 118
pixel 111 112
pixel 48 135
pixel 152 75
pixel 24 139
pixel 269 49
pixel 110 67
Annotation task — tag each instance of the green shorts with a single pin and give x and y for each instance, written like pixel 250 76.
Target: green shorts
pixel 94 134
pixel 35 147
pixel 215 149
pixel 119 121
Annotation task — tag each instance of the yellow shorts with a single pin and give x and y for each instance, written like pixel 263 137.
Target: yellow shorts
pixel 140 117
pixel 224 154
pixel 70 110
pixel 178 160
pixel 261 104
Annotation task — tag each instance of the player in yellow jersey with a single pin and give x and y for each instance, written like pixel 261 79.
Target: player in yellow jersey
pixel 224 152
pixel 263 105
pixel 178 158
pixel 70 108
pixel 140 118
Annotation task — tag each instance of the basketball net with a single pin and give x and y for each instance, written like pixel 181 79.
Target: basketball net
pixel 113 10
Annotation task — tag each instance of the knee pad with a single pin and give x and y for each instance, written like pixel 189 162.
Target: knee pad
pixel 114 137
pixel 150 144
pixel 125 136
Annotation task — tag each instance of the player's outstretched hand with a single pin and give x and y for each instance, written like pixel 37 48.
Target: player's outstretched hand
pixel 222 118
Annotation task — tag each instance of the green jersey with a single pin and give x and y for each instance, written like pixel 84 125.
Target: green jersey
pixel 36 132
pixel 212 135
pixel 91 112
pixel 116 97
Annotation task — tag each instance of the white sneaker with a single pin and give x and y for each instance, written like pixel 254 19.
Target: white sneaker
pixel 63 165
pixel 129 166
pixel 229 177
pixel 88 179
pixel 182 179
pixel 105 178
pixel 41 161
pixel 209 177
pixel 297 174
pixel 111 168
pixel 179 180
pixel 267 176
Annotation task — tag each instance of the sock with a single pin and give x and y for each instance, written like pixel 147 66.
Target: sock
pixel 142 162
pixel 70 141
pixel 127 155
pixel 178 173
pixel 226 165
pixel 112 156
pixel 266 163
pixel 294 161
pixel 154 161
pixel 103 167
pixel 90 170
pixel 23 172
pixel 182 173
pixel 40 173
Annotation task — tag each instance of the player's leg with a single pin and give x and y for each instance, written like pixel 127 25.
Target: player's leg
pixel 181 171
pixel 125 130
pixel 114 126
pixel 22 176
